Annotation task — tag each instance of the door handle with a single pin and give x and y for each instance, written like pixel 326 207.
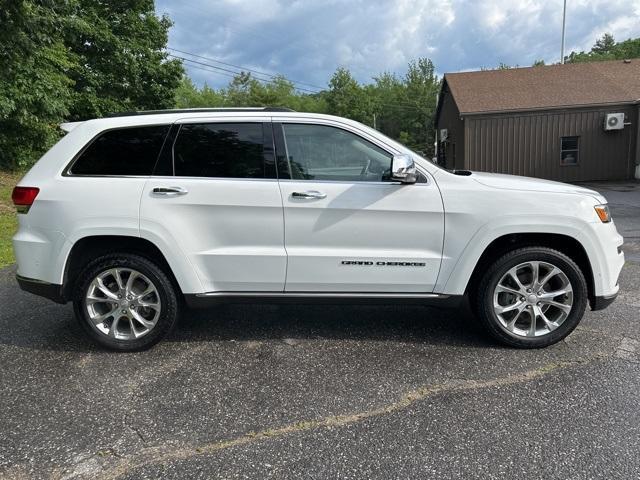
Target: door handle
pixel 309 194
pixel 169 191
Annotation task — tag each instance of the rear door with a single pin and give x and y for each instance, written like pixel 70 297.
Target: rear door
pixel 215 198
pixel 348 228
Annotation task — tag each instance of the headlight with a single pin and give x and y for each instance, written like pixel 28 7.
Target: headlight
pixel 603 213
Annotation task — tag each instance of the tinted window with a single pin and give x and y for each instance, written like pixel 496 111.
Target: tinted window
pixel 230 150
pixel 319 152
pixel 126 151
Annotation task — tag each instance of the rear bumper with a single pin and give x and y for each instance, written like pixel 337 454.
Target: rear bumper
pixel 600 303
pixel 51 291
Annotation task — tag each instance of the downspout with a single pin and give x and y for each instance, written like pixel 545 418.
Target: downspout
pixel 637 172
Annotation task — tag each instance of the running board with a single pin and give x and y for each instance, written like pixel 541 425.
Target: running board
pixel 203 300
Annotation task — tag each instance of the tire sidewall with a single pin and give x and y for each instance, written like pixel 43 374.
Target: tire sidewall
pixel 166 292
pixel 510 260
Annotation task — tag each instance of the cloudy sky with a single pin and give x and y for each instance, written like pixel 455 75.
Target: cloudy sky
pixel 306 40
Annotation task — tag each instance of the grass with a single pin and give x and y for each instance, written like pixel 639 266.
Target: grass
pixel 8 220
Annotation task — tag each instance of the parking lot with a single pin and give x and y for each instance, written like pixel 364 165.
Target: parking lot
pixel 264 391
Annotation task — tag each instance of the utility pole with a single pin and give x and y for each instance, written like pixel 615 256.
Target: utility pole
pixel 374 122
pixel 564 22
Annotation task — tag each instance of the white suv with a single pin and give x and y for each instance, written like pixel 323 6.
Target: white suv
pixel 130 216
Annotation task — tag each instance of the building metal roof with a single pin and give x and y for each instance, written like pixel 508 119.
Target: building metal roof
pixel 543 87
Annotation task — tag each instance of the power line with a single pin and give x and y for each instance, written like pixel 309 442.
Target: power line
pixel 227 72
pixel 258 72
pixel 238 72
pixel 212 71
pixel 233 73
pixel 243 69
pixel 401 106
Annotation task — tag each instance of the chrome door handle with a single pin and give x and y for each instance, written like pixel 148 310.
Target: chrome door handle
pixel 309 194
pixel 169 191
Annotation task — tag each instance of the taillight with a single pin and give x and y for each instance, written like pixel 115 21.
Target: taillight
pixel 23 198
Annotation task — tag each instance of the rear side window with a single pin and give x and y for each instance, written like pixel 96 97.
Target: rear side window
pixel 227 150
pixel 125 151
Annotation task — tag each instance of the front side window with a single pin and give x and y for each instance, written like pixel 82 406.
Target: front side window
pixel 320 152
pixel 569 150
pixel 122 151
pixel 226 150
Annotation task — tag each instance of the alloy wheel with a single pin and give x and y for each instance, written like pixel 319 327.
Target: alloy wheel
pixel 533 299
pixel 123 304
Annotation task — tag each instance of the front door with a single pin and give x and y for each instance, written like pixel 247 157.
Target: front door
pixel 348 227
pixel 215 199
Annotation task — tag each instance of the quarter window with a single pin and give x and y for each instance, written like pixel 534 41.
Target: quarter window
pixel 569 150
pixel 228 150
pixel 320 152
pixel 124 151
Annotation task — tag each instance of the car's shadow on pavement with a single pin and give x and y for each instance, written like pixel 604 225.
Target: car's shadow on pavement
pixel 40 325
pixel 258 322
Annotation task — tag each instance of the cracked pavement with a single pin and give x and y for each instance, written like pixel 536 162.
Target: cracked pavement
pixel 264 391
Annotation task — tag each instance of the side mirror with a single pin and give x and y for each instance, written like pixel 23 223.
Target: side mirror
pixel 403 169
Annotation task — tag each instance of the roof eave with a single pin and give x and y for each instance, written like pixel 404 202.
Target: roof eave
pixel 554 107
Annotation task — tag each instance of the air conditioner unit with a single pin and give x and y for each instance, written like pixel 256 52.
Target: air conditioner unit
pixel 444 134
pixel 614 121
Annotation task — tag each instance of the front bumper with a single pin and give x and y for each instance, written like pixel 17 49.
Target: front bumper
pixel 51 291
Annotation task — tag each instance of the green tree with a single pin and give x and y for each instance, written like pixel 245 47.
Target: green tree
pixel 120 63
pixel 422 91
pixel 388 93
pixel 247 91
pixel 606 48
pixel 604 45
pixel 347 98
pixel 189 96
pixel 77 59
pixel 34 88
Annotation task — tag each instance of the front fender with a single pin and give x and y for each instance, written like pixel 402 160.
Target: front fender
pixel 457 268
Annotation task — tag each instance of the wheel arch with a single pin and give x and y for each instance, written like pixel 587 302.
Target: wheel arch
pixel 565 244
pixel 90 247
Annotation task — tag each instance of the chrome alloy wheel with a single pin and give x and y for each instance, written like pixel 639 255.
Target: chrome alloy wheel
pixel 533 299
pixel 123 304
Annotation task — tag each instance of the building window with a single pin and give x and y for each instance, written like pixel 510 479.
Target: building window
pixel 569 150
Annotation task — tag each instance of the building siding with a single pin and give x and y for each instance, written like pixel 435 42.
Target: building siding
pixel 530 143
pixel 449 118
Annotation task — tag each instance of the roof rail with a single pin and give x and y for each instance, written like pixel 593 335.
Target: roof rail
pixel 197 110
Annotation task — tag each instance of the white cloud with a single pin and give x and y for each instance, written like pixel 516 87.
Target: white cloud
pixel 306 40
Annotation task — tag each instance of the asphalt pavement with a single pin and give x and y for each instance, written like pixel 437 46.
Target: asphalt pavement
pixel 264 391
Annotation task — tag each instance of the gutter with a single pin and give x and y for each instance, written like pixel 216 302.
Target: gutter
pixel 555 107
pixel 637 162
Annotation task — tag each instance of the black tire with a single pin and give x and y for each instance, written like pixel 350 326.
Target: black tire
pixel 484 298
pixel 165 288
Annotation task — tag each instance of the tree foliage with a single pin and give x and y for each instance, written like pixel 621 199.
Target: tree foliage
pixel 119 62
pixel 606 48
pixel 76 59
pixel 34 88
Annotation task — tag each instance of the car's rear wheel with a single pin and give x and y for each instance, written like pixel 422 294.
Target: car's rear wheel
pixel 532 297
pixel 125 302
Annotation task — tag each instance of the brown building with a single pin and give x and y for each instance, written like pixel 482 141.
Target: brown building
pixel 569 122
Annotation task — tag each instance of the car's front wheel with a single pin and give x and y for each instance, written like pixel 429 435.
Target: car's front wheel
pixel 125 302
pixel 532 297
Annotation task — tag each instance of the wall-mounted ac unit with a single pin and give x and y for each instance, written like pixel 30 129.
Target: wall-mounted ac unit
pixel 444 134
pixel 614 121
